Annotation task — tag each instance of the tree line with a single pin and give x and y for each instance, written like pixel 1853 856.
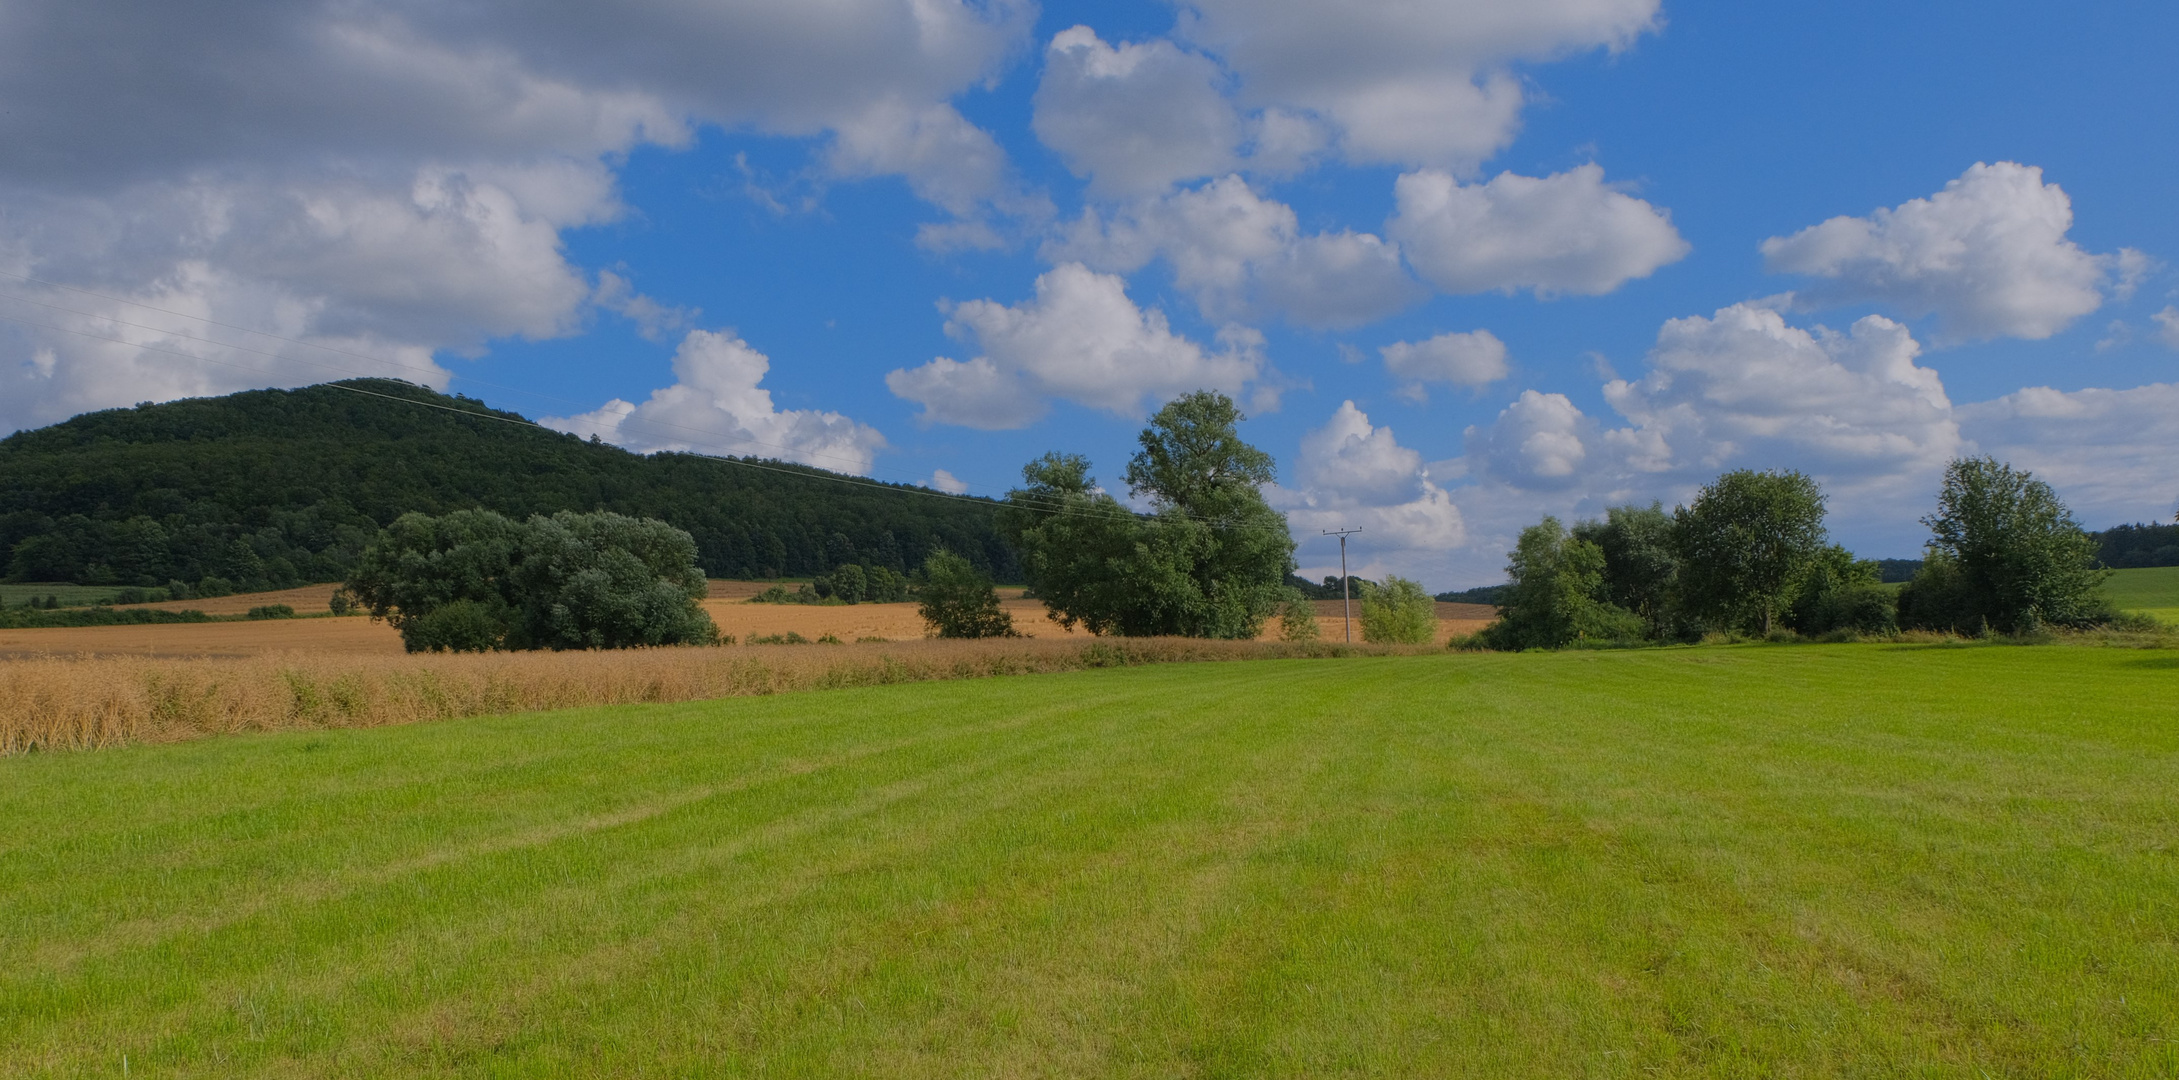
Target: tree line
pixel 1751 555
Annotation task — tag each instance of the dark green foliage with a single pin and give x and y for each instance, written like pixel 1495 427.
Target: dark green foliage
pixel 271 611
pixel 45 616
pixel 959 602
pixel 1329 589
pixel 2129 546
pixel 340 604
pixel 1744 545
pixel 474 580
pixel 276 488
pixel 1398 612
pixel 1211 560
pixel 1482 594
pixel 1839 593
pixel 2006 555
pixel 1557 596
pixel 1641 561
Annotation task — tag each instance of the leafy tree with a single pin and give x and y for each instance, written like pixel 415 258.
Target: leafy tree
pixel 1398 612
pixel 1556 596
pixel 2005 553
pixel 1641 560
pixel 1745 543
pixel 959 602
pixel 1210 560
pixel 474 580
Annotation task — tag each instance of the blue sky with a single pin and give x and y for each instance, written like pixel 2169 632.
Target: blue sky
pixel 1553 214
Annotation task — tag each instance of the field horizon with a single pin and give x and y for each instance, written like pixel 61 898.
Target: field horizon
pixel 1748 860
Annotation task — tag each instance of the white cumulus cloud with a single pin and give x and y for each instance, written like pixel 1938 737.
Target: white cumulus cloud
pixel 2109 453
pixel 717 405
pixel 1405 83
pixel 1565 233
pixel 2167 322
pixel 1354 474
pixel 1988 255
pixel 1134 118
pixel 1079 338
pixel 1239 253
pixel 1473 358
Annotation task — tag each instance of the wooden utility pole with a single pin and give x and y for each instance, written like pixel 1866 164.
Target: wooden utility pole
pixel 1346 601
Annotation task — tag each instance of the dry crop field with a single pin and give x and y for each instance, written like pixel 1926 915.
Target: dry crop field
pixel 728 605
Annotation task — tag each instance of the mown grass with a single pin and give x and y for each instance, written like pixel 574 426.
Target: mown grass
pixel 2151 590
pixel 1855 860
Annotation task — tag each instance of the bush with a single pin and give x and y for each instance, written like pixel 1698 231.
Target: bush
pixel 1398 612
pixel 1297 619
pixel 1843 595
pixel 959 602
pixel 271 611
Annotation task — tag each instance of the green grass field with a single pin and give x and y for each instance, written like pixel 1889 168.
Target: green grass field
pixel 2154 590
pixel 1856 860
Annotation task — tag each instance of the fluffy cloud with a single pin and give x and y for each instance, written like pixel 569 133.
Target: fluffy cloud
pixel 1134 118
pixel 1540 441
pixel 1474 358
pixel 392 178
pixel 1988 256
pixel 1354 474
pixel 1566 233
pixel 2167 322
pixel 717 405
pixel 1744 388
pixel 948 483
pixel 2108 452
pixel 1080 338
pixel 1238 253
pixel 1417 85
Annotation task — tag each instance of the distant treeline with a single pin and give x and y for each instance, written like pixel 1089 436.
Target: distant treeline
pixel 275 488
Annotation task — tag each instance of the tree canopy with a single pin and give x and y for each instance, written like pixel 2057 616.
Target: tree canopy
pixel 1210 560
pixel 2004 553
pixel 473 580
pixel 1744 544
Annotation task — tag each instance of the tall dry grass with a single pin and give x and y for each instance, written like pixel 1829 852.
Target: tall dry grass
pixel 84 703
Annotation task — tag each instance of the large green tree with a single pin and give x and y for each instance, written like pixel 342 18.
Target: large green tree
pixel 1746 542
pixel 1641 561
pixel 1556 596
pixel 2004 553
pixel 473 580
pixel 1209 560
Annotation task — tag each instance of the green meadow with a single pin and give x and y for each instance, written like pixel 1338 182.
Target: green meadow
pixel 2154 590
pixel 1853 860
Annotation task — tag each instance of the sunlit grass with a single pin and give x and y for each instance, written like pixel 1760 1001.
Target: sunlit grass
pixel 2153 590
pixel 1745 861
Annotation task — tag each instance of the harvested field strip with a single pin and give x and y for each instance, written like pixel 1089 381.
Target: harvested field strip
pixel 69 704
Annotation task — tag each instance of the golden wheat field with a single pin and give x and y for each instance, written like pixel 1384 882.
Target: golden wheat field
pixel 81 702
pixel 728 605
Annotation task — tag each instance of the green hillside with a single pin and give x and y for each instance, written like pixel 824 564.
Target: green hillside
pixel 1722 862
pixel 2153 590
pixel 274 488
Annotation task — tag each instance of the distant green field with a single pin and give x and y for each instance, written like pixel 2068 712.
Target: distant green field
pixel 17 595
pixel 2154 590
pixel 1856 860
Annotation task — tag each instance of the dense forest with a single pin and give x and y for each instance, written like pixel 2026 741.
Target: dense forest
pixel 276 488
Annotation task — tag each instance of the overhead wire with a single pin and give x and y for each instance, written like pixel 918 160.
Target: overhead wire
pixel 1019 499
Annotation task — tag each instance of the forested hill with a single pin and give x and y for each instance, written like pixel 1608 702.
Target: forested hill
pixel 273 488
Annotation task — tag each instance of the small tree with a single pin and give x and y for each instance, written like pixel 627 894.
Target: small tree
pixel 1841 593
pixel 1297 619
pixel 959 601
pixel 1745 543
pixel 1398 612
pixel 2006 554
pixel 1555 597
